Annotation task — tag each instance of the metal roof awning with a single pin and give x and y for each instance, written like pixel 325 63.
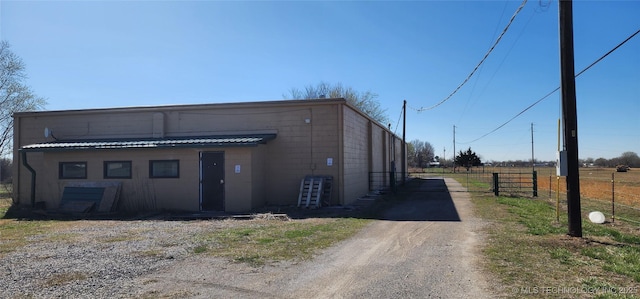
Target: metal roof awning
pixel 151 143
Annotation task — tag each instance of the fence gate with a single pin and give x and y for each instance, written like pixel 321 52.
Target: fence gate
pixel 515 183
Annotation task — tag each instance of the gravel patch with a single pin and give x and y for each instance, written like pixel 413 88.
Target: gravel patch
pixel 98 259
pixel 425 246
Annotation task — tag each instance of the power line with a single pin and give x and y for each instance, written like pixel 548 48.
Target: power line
pixel 557 88
pixel 611 51
pixel 414 108
pixel 520 113
pixel 499 66
pixel 399 118
pixel 481 61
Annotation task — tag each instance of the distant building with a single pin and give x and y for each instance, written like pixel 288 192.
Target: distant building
pixel 231 157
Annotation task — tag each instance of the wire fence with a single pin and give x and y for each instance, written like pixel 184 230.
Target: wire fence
pixel 616 194
pixel 483 180
pixel 382 181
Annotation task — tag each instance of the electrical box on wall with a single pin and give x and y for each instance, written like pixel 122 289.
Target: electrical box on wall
pixel 561 163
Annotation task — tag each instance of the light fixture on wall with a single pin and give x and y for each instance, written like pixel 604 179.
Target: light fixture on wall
pixel 307 120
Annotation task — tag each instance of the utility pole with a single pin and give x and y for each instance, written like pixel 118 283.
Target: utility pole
pixel 404 142
pixel 533 161
pixel 570 116
pixel 454 148
pixel 444 155
pixel 444 158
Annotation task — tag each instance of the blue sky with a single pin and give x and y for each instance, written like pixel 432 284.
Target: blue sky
pixel 95 54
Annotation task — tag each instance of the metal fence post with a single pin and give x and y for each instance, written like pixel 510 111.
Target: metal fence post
pixel 535 183
pixel 613 197
pixel 496 184
pixel 467 180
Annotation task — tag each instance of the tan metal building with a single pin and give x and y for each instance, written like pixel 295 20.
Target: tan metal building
pixel 230 157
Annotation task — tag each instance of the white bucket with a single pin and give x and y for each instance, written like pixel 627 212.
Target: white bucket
pixel 596 217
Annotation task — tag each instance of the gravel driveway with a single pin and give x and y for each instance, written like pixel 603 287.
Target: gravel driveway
pixel 426 246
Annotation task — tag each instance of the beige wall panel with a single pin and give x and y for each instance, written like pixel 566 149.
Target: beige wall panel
pixel 258 176
pixel 302 149
pixel 387 155
pixel 238 186
pixel 356 153
pixel 377 149
pixel 231 120
pixel 32 130
pixel 309 139
pixel 138 193
pixel 144 193
pixel 93 125
pixel 378 160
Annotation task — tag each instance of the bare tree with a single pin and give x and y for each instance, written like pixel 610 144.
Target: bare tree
pixel 420 153
pixel 14 94
pixel 365 101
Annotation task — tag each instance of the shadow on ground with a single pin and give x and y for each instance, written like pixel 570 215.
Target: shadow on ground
pixel 427 200
pixel 418 200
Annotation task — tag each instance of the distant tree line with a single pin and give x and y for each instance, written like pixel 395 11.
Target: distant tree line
pixel 421 154
pixel 630 159
pixel 519 163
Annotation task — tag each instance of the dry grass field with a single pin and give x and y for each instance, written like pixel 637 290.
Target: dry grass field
pixel 598 184
pixel 595 183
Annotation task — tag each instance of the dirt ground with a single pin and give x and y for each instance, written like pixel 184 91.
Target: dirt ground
pixel 424 247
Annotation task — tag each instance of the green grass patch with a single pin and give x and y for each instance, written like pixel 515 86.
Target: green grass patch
pixel 267 241
pixel 610 232
pixel 200 249
pixel 619 259
pixel 537 216
pixel 302 233
pixel 528 250
pixel 5 204
pixel 564 256
pixel 477 185
pixel 16 234
pixel 6 190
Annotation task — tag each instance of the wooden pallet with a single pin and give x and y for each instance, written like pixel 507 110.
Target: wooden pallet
pixel 314 191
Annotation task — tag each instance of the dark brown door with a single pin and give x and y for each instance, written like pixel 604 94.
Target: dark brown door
pixel 212 181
